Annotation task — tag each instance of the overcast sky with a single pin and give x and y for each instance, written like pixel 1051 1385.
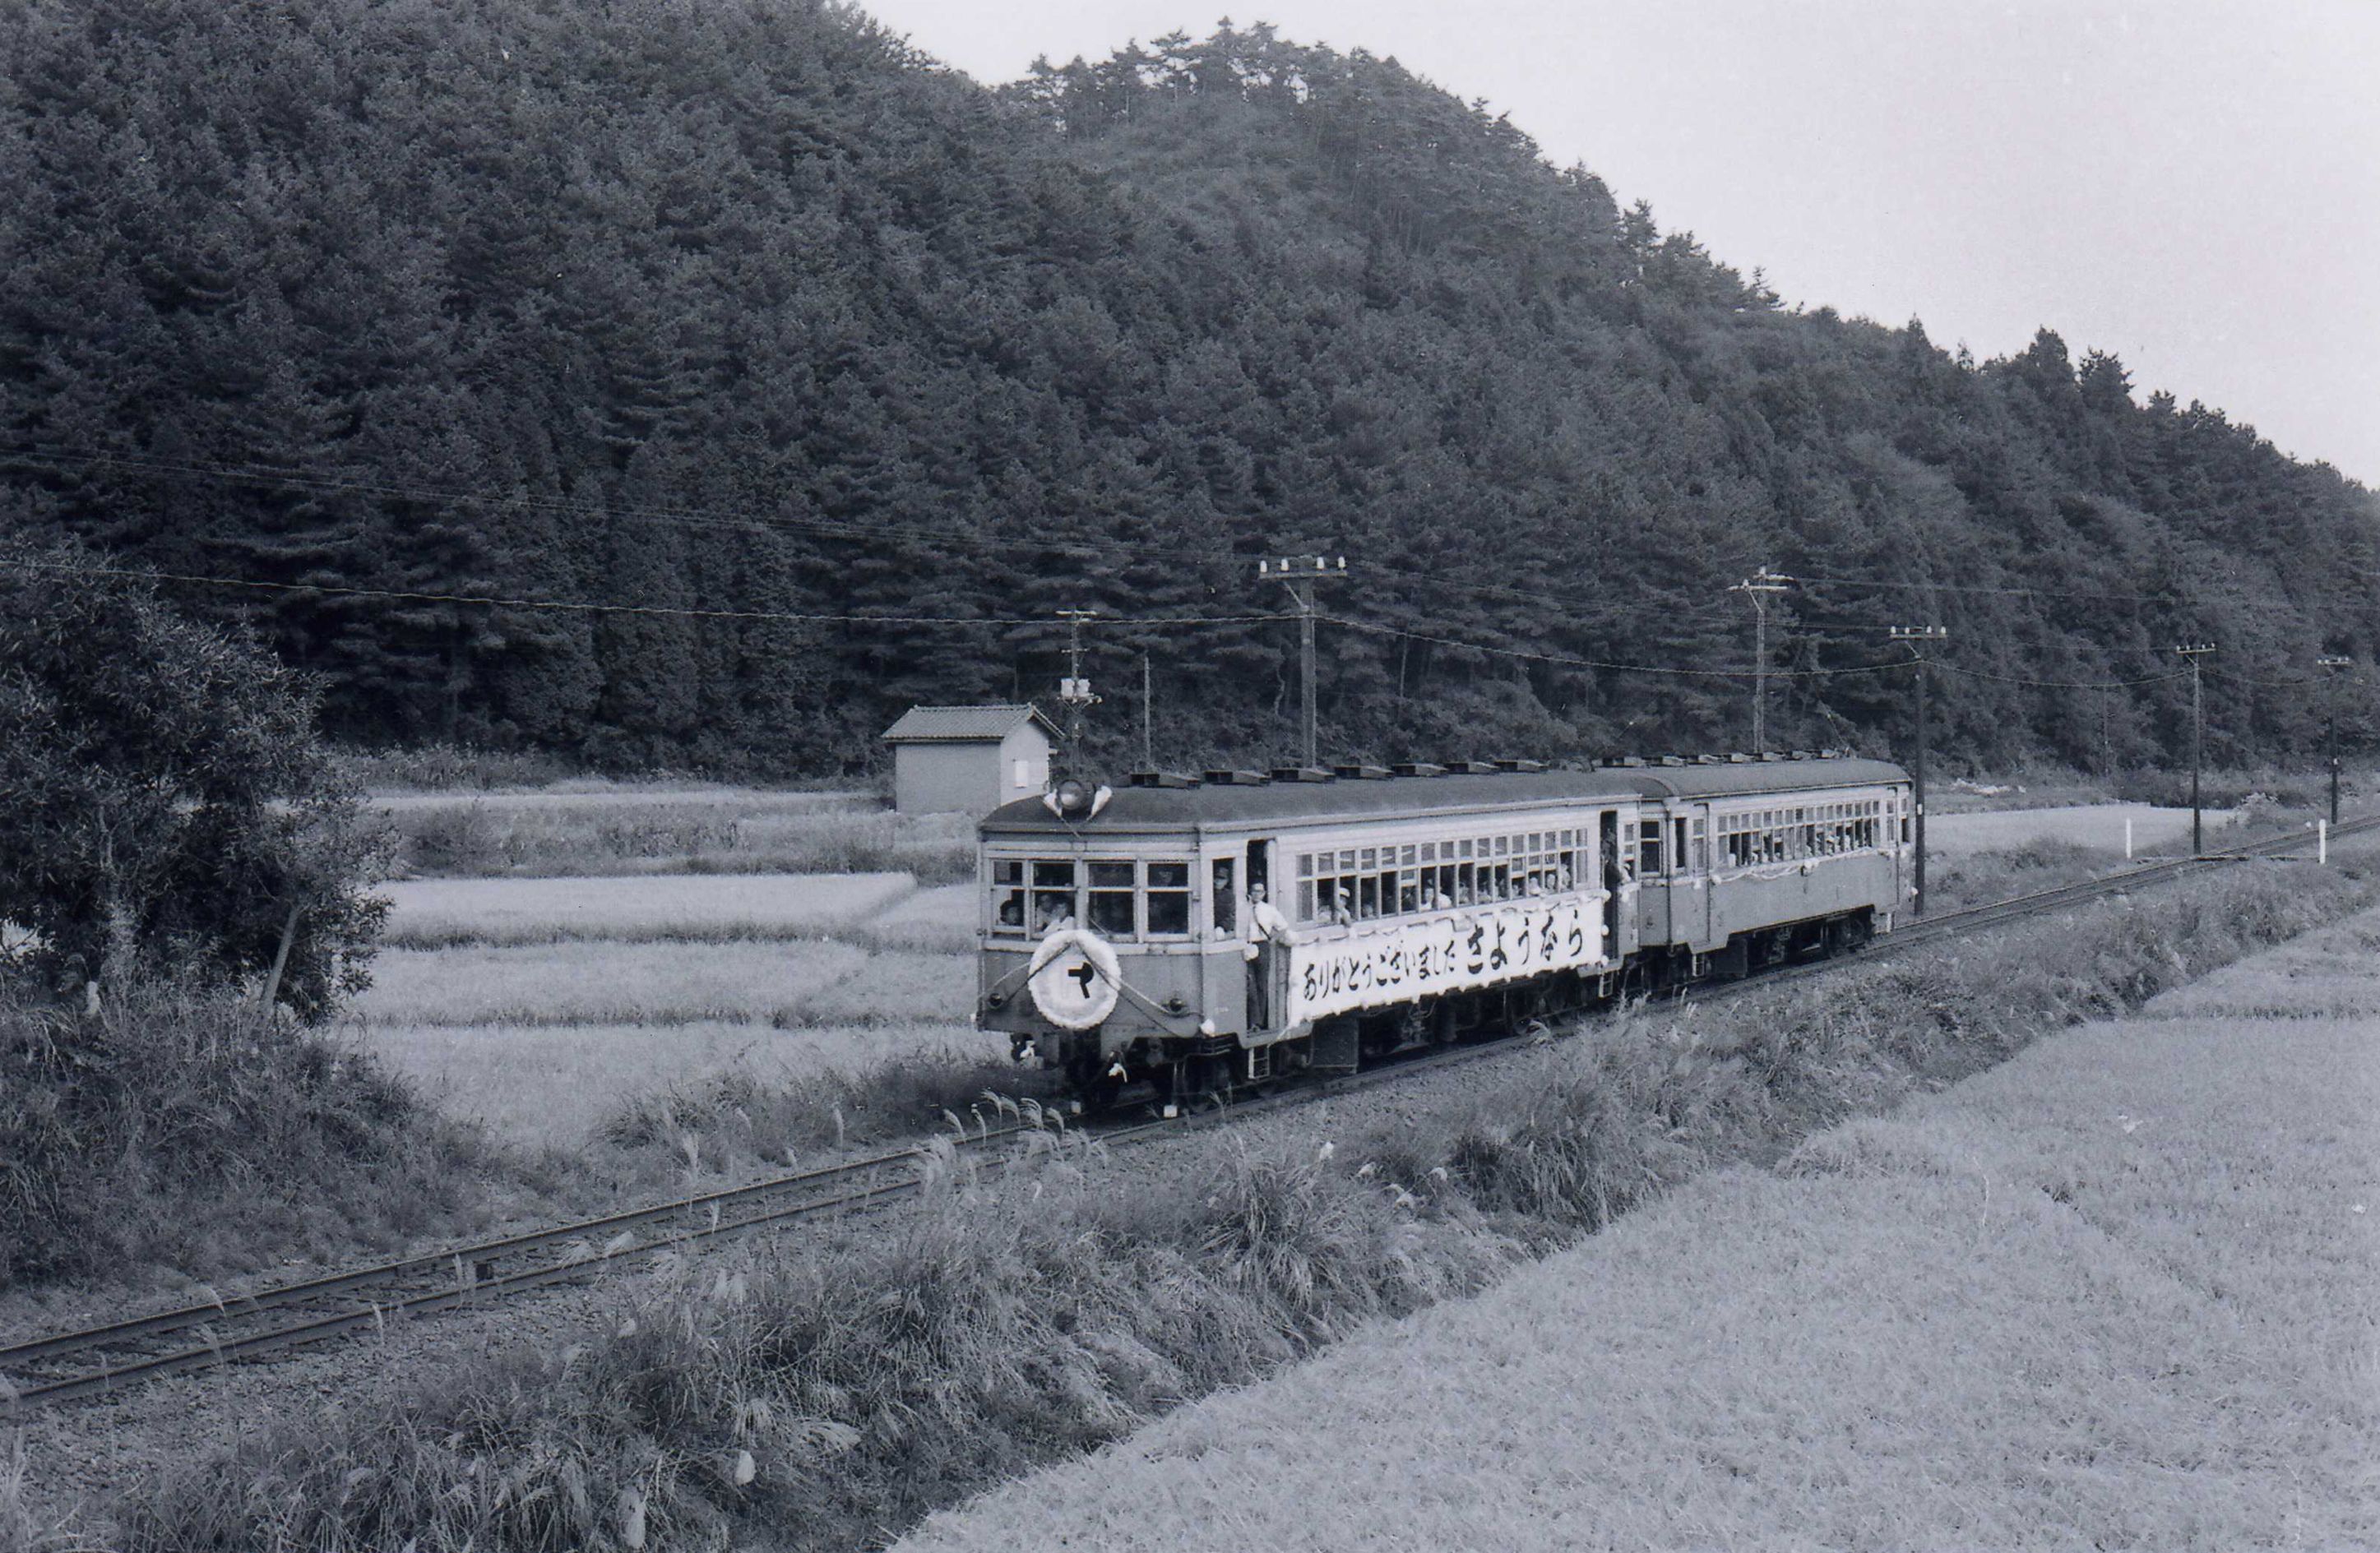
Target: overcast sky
pixel 2194 185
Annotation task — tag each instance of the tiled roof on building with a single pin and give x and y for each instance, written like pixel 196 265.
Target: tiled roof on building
pixel 964 724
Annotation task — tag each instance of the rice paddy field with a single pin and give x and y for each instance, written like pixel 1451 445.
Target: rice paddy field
pixel 541 1008
pixel 2097 826
pixel 2117 1292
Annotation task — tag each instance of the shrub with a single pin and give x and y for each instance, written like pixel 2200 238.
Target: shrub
pixel 177 1127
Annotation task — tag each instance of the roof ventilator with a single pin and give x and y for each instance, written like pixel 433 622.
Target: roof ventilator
pixel 1520 765
pixel 1417 768
pixel 1162 779
pixel 1237 779
pixel 1361 773
pixel 1301 774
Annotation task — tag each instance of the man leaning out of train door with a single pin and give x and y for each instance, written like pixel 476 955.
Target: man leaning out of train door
pixel 1263 928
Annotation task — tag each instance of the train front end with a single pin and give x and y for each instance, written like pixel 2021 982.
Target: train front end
pixel 1101 949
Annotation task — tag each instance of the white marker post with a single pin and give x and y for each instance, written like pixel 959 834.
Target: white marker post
pixel 2322 840
pixel 2128 838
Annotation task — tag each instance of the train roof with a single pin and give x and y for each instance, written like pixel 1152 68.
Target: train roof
pixel 1266 804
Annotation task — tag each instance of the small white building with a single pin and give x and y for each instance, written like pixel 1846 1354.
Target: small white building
pixel 968 758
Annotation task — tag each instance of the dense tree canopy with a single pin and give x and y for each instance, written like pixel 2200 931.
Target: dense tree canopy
pixel 165 805
pixel 810 379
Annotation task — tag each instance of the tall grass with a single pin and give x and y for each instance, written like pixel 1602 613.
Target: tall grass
pixel 818 1401
pixel 178 1128
pixel 725 1122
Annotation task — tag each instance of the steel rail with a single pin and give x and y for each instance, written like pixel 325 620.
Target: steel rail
pixel 471 1268
pixel 479 1259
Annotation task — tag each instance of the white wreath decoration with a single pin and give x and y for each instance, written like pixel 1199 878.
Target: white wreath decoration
pixel 1060 990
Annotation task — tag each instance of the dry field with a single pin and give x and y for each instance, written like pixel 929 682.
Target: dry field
pixel 442 912
pixel 553 1005
pixel 2117 1292
pixel 632 831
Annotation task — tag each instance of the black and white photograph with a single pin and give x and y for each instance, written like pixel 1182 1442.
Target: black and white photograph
pixel 804 776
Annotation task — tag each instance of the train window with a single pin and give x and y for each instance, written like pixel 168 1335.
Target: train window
pixel 1008 895
pixel 1111 900
pixel 1169 897
pixel 1367 897
pixel 1700 834
pixel 1226 898
pixel 1648 859
pixel 1408 890
pixel 1053 895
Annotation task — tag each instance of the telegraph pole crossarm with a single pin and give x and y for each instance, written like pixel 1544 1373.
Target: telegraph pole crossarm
pixel 1300 574
pixel 2331 663
pixel 2194 651
pixel 1912 636
pixel 1757 588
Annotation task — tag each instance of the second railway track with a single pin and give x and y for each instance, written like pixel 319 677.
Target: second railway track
pixel 99 1360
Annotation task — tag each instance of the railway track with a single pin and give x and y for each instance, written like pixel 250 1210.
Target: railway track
pixel 67 1366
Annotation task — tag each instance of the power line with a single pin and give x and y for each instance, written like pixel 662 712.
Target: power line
pixel 592 607
pixel 1950 668
pixel 1567 661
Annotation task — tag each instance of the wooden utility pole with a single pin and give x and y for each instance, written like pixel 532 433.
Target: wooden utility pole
pixel 2331 664
pixel 2194 651
pixel 1757 588
pixel 1148 711
pixel 1300 574
pixel 1075 691
pixel 1913 635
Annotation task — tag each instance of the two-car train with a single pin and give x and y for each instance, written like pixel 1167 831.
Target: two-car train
pixel 1196 935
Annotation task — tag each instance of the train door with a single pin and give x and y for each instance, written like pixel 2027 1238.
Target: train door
pixel 1610 849
pixel 1266 927
pixel 1690 897
pixel 1652 883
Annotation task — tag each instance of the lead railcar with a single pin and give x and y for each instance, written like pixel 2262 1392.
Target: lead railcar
pixel 1124 940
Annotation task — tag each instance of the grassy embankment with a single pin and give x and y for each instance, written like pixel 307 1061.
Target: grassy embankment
pixel 180 1130
pixel 2116 1293
pixel 819 1400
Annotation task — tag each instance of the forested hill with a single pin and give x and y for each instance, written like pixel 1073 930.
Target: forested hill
pixel 738 319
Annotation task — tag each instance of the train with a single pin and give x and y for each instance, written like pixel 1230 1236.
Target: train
pixel 1182 937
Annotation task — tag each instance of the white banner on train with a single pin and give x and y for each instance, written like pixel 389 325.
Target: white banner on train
pixel 1392 962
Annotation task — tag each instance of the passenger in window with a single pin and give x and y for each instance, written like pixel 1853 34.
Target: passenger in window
pixel 1052 913
pixel 1012 911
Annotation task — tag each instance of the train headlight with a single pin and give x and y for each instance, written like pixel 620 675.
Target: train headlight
pixel 1077 799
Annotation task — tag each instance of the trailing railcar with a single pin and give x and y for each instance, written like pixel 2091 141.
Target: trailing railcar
pixel 1198 934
